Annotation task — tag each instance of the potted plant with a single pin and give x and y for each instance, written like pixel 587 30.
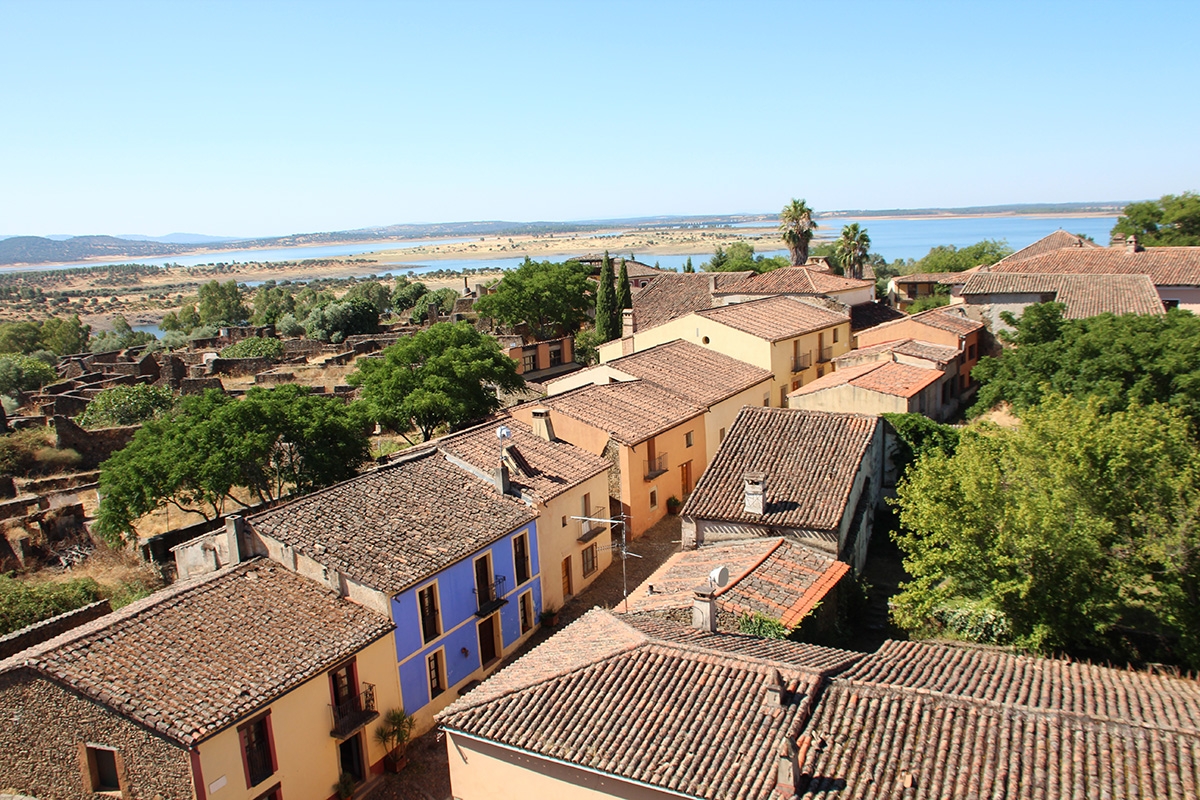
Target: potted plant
pixel 674 504
pixel 345 786
pixel 392 733
pixel 549 617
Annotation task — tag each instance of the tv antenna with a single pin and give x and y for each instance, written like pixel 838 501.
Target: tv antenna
pixel 622 549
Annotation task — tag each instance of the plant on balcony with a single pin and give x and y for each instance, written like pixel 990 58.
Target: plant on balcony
pixel 392 734
pixel 674 504
pixel 548 617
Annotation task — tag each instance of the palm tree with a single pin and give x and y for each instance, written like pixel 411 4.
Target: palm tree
pixel 852 249
pixel 796 223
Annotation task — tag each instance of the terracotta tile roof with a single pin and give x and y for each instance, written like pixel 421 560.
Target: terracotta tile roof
pixel 868 315
pixel 1166 266
pixel 942 278
pixel 705 377
pixel 673 295
pixel 674 716
pixel 775 318
pixel 775 577
pixel 910 347
pixel 1084 295
pixel 921 720
pixel 948 318
pixel 554 466
pixel 392 527
pixel 1054 241
pixel 631 411
pixel 886 377
pixel 795 280
pixel 810 459
pixel 199 656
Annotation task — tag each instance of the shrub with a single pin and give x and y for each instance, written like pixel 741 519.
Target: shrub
pixel 254 347
pixel 23 604
pixel 127 405
pixel 757 624
pixel 20 373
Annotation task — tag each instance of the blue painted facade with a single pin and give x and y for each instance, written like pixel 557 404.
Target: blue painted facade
pixel 457 601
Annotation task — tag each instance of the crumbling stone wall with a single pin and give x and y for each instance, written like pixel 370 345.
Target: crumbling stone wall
pixel 39 632
pixel 239 366
pixel 46 726
pixel 199 385
pixel 93 446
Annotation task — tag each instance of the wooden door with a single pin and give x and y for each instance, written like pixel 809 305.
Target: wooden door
pixel 566 578
pixel 487 640
pixel 685 477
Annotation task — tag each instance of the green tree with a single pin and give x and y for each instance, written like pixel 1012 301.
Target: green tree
pixel 254 347
pixel 1172 220
pixel 441 299
pixel 22 373
pixel 853 248
pixel 624 292
pixel 221 304
pixel 406 294
pixel 552 299
pixel 127 405
pixel 797 226
pixel 65 335
pixel 334 321
pixel 948 258
pixel 273 442
pixel 440 376
pixel 740 257
pixel 608 315
pixel 374 293
pixel 19 337
pixel 917 435
pixel 687 266
pixel 121 336
pixel 185 320
pixel 272 301
pixel 1059 533
pixel 587 347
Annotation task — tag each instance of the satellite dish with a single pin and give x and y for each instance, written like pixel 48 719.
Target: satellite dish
pixel 503 433
pixel 719 577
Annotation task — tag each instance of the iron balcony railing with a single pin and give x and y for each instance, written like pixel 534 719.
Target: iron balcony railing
pixel 591 528
pixel 826 354
pixel 490 597
pixel 258 761
pixel 802 362
pixel 353 714
pixel 656 466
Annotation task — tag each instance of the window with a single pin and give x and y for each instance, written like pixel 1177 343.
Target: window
pixel 528 362
pixel 431 624
pixel 971 351
pixel 103 772
pixel 783 390
pixel 589 560
pixel 912 290
pixel 688 440
pixel 767 399
pixel 564 520
pixel 521 557
pixel 720 435
pixel 1169 304
pixel 556 357
pixel 654 498
pixel 435 663
pixel 526 612
pixel 258 752
pixel 835 335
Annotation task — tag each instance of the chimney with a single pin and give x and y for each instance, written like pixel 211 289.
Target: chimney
pixel 788 767
pixel 542 426
pixel 501 478
pixel 235 530
pixel 755 502
pixel 1131 244
pixel 627 326
pixel 775 690
pixel 704 609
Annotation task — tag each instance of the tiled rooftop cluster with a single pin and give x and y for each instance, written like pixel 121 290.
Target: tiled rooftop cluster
pixel 631 411
pixel 394 526
pixel 554 466
pixel 671 295
pixel 1055 241
pixel 795 280
pixel 775 318
pixel 1166 266
pixel 914 348
pixel 1083 295
pixel 650 701
pixel 886 377
pixel 702 376
pixel 809 457
pixel 169 662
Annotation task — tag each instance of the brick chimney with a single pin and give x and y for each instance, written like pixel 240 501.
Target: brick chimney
pixel 627 324
pixel 704 609
pixel 755 502
pixel 787 762
pixel 776 695
pixel 1131 244
pixel 500 476
pixel 541 424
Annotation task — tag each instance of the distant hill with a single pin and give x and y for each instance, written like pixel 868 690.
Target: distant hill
pixel 177 238
pixel 39 250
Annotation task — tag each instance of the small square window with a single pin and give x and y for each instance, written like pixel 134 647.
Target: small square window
pixel 102 769
pixel 564 521
pixel 720 435
pixel 835 335
pixel 688 439
pixel 654 498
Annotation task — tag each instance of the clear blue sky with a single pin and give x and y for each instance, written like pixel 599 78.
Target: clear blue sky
pixel 258 118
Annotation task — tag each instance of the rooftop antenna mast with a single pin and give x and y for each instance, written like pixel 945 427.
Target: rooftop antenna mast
pixel 622 549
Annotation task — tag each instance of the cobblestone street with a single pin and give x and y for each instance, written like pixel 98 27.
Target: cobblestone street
pixel 427 777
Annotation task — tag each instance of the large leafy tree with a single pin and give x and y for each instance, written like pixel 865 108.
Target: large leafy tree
pixel 608 315
pixel 1059 534
pixel 740 257
pixel 65 335
pixel 445 375
pixel 1171 220
pixel 853 248
pixel 221 304
pixel 21 373
pixel 1122 361
pixel 797 226
pixel 127 405
pixel 553 299
pixel 273 442
pixel 334 321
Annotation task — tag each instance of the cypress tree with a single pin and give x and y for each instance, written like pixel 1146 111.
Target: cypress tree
pixel 608 320
pixel 624 293
pixel 688 266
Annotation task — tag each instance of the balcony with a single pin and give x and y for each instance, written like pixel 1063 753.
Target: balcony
pixel 353 714
pixel 589 528
pixel 826 354
pixel 802 362
pixel 656 466
pixel 490 596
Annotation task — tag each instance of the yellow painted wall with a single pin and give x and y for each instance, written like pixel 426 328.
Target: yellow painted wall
pixel 482 771
pixel 300 722
pixel 598 374
pixel 556 541
pixel 635 489
pixel 725 412
pixel 850 400
pixel 570 430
